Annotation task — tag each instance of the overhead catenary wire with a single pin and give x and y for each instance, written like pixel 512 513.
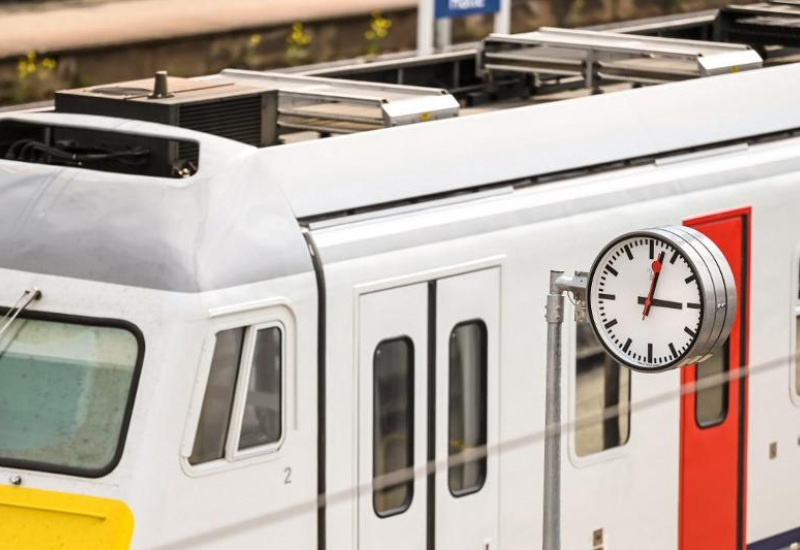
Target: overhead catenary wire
pixel 411 474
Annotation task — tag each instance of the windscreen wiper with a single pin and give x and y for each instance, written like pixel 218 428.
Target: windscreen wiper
pixel 24 301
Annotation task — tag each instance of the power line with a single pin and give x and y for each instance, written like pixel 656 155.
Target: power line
pixel 491 451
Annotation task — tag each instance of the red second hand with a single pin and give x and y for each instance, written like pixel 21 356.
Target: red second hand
pixel 656 272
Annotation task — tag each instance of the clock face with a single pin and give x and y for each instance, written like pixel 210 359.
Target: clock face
pixel 646 302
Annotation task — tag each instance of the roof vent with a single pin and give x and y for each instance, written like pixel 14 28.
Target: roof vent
pixel 221 108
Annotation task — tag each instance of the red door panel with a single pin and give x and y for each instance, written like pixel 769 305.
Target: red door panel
pixel 712 459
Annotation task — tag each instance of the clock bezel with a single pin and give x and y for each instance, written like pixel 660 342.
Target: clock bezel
pixel 703 338
pixel 723 309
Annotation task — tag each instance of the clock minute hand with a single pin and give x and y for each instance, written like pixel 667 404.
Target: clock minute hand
pixel 655 302
pixel 656 272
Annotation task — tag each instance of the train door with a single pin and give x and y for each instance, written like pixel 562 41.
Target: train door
pixel 429 393
pixel 392 418
pixel 467 402
pixel 714 418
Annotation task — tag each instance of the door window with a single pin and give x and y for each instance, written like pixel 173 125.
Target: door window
pixel 603 393
pixel 393 426
pixel 797 354
pixel 797 339
pixel 467 408
pixel 711 405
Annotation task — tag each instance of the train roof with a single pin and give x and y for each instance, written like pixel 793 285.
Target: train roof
pixel 220 228
pixel 201 233
pixel 377 168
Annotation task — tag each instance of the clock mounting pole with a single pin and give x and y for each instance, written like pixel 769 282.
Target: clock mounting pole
pixel 577 286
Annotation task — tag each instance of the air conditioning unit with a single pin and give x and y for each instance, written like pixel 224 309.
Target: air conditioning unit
pixel 225 109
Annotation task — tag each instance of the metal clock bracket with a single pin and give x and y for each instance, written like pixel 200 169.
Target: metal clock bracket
pixel 576 285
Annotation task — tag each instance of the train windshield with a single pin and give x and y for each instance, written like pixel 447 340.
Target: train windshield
pixel 65 394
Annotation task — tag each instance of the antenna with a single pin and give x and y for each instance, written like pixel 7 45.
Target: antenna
pixel 161 86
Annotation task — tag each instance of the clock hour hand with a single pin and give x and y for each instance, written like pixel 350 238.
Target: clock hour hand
pixel 655 302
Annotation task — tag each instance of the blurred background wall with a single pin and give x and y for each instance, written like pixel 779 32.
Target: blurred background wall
pixel 31 73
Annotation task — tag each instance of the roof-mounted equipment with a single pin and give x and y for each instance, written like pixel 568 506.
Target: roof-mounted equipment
pixel 771 23
pixel 220 108
pixel 40 142
pixel 336 106
pixel 597 58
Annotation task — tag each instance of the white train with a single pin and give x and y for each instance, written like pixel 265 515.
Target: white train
pixel 248 357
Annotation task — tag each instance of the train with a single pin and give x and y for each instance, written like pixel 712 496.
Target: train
pixel 339 343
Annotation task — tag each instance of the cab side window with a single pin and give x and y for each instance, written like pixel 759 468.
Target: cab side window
pixel 261 420
pixel 243 404
pixel 212 430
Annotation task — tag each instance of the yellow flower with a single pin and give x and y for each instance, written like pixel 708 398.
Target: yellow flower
pixel 299 37
pixel 379 27
pixel 26 67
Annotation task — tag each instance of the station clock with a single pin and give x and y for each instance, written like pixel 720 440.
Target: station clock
pixel 661 298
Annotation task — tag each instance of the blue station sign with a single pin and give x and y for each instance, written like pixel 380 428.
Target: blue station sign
pixel 460 8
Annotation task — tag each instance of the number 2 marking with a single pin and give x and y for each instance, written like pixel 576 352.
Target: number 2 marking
pixel 288 479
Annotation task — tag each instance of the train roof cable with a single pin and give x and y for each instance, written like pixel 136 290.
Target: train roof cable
pixel 26 150
pixel 515 444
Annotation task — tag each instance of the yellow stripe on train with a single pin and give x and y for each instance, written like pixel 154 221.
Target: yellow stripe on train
pixel 32 519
